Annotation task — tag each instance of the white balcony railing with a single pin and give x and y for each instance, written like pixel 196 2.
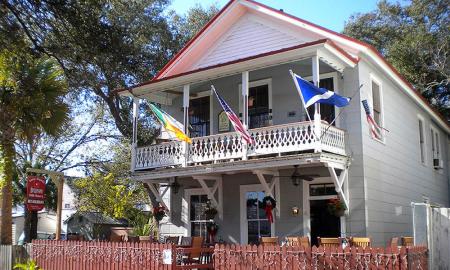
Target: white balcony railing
pixel 270 140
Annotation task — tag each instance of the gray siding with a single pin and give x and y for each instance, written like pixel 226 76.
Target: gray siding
pixel 393 172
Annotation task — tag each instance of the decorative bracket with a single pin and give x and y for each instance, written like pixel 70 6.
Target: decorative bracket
pixel 270 187
pixel 158 194
pixel 339 182
pixel 214 193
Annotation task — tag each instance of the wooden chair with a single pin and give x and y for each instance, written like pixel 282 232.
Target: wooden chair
pixel 186 241
pixel 329 242
pixel 172 240
pixel 269 241
pixel 360 242
pixel 407 241
pixel 197 244
pixel 297 241
pixel 393 244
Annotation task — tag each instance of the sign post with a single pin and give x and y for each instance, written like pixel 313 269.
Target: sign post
pixel 35 193
pixel 58 179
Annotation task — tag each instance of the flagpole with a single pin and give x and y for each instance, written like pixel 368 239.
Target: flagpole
pixel 340 112
pixel 300 93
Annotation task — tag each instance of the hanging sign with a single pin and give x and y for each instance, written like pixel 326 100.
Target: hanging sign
pixel 35 193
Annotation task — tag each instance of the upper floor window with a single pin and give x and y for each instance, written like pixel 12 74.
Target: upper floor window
pixel 435 147
pixel 377 103
pixel 421 141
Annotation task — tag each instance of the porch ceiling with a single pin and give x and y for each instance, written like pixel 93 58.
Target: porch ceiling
pixel 274 163
pixel 326 50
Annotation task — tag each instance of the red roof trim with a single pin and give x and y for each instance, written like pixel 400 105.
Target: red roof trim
pixel 303 45
pixel 192 40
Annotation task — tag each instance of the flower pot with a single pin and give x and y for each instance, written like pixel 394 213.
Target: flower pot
pixel 339 213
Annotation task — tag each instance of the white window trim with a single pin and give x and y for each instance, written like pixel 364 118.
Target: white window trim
pixel 334 76
pixel 243 211
pixel 424 132
pixel 307 206
pixel 375 79
pixel 268 82
pixel 186 208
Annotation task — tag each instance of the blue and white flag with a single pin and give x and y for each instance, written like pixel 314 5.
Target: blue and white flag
pixel 312 94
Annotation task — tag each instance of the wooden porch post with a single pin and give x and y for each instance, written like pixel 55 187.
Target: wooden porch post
pixel 317 118
pixel 245 79
pixel 186 90
pixel 134 139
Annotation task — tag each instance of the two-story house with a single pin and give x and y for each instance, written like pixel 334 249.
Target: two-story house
pixel 246 52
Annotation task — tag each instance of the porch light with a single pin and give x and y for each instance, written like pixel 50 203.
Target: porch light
pixel 175 186
pixel 295 211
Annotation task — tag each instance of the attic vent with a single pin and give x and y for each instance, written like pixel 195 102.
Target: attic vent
pixel 282 10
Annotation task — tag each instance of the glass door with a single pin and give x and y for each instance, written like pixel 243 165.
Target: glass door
pixel 327 112
pixel 198 220
pixel 199 117
pixel 258 106
pixel 254 223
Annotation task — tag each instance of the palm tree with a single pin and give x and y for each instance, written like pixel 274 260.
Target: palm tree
pixel 31 102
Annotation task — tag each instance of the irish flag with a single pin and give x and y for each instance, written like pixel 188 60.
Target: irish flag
pixel 170 124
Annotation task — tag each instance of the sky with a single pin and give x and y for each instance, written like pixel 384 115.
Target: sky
pixel 331 14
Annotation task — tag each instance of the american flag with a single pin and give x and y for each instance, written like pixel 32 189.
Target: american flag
pixel 234 119
pixel 375 129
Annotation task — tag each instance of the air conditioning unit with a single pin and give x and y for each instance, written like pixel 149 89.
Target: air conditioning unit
pixel 438 163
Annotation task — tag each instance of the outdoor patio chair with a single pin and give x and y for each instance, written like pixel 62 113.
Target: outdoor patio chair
pixel 393 243
pixel 172 240
pixel 298 241
pixel 269 241
pixel 360 242
pixel 329 242
pixel 407 241
pixel 186 241
pixel 195 254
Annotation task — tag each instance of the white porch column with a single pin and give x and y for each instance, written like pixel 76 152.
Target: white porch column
pixel 245 108
pixel 186 89
pixel 134 138
pixel 317 120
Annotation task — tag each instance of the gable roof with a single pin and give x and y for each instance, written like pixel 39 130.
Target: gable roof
pixel 186 61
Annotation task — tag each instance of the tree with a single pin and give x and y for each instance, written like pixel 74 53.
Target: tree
pixel 110 190
pixel 31 102
pixel 104 45
pixel 415 39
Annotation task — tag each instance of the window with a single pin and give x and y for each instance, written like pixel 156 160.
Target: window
pixel 435 145
pixel 197 216
pixel 67 205
pixel 258 106
pixel 199 117
pixel 376 103
pixel 258 224
pixel 421 141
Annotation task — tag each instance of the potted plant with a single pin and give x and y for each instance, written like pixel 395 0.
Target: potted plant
pixel 159 212
pixel 143 228
pixel 336 207
pixel 212 229
pixel 210 211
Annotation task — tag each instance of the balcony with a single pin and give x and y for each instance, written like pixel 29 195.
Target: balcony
pixel 274 140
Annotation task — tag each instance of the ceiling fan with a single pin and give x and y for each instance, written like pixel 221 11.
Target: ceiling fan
pixel 297 177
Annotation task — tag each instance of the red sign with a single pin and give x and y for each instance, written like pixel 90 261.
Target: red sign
pixel 35 193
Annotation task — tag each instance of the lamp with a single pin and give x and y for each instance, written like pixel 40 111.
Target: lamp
pixel 296 177
pixel 175 185
pixel 295 211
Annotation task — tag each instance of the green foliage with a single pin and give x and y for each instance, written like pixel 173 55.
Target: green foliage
pixel 29 265
pixel 143 225
pixel 415 39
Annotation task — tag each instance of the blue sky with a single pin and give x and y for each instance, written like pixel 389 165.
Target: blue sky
pixel 331 14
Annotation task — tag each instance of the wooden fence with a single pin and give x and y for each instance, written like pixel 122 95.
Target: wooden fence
pixel 84 255
pixel 290 258
pixel 97 255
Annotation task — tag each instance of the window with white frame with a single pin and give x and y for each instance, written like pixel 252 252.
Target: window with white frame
pixel 376 103
pixel 422 141
pixel 435 146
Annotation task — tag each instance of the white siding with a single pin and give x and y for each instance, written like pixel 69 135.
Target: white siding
pixel 249 36
pixel 393 171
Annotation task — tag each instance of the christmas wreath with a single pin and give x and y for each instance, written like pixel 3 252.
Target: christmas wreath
pixel 269 204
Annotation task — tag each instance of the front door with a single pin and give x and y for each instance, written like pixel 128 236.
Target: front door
pixel 254 223
pixel 327 112
pixel 258 106
pixel 323 224
pixel 199 117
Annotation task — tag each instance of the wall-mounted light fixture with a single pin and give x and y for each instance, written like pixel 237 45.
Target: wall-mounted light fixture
pixel 295 211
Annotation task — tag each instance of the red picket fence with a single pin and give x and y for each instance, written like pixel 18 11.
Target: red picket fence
pixel 85 255
pixel 290 258
pixel 97 255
